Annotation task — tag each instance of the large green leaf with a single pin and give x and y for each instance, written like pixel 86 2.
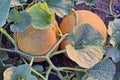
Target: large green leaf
pixel 3 56
pixel 114 32
pixel 22 72
pixel 104 70
pixel 21 20
pixel 60 7
pixel 4 11
pixel 85 36
pixel 38 68
pixel 88 2
pixel 88 46
pixel 42 17
pixel 114 53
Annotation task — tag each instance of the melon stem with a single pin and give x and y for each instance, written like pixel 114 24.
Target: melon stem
pixel 110 6
pixel 37 73
pixel 76 17
pixel 60 32
pixel 57 44
pixel 32 60
pixel 9 37
pixel 48 72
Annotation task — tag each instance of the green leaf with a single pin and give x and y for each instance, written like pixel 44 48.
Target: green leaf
pixel 86 35
pixel 42 17
pixel 21 20
pixel 104 70
pixel 38 68
pixel 60 7
pixel 3 56
pixel 114 53
pixel 88 2
pixel 88 46
pixel 4 11
pixel 22 72
pixel 114 32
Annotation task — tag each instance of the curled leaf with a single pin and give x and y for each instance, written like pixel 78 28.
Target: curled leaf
pixel 113 26
pixel 88 46
pixel 86 57
pixel 114 32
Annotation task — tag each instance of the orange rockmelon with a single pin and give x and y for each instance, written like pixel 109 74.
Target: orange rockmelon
pixel 36 41
pixel 84 16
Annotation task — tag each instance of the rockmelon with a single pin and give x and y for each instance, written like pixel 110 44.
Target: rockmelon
pixel 84 16
pixel 37 42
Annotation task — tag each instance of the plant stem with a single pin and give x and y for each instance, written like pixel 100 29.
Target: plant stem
pixel 21 53
pixel 110 6
pixel 72 69
pixel 76 17
pixel 8 50
pixel 59 75
pixel 48 72
pixel 58 52
pixel 60 32
pixel 8 36
pixel 6 25
pixel 56 45
pixel 51 64
pixel 0 39
pixel 31 62
pixel 101 10
pixel 37 73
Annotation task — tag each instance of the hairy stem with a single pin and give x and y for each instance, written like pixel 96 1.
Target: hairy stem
pixel 60 32
pixel 110 6
pixel 48 72
pixel 37 73
pixel 58 52
pixel 31 62
pixel 76 17
pixel 57 44
pixel 71 69
pixel 8 36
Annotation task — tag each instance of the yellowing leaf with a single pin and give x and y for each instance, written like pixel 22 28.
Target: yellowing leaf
pixel 42 17
pixel 22 72
pixel 86 57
